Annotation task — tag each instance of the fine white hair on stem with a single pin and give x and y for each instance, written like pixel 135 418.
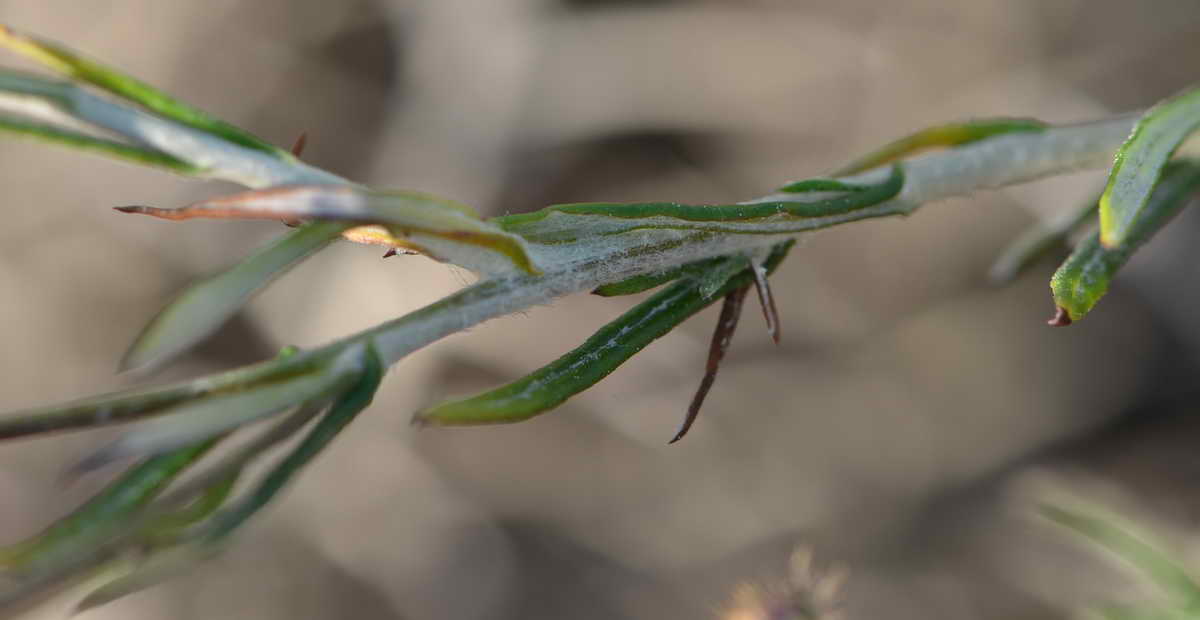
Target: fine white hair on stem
pixel 602 249
pixel 593 261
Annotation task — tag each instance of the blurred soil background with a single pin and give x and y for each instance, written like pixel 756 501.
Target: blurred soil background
pixel 901 430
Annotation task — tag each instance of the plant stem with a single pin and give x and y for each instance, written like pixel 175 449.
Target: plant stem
pixel 584 265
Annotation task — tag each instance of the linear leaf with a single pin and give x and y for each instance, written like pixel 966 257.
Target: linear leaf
pixel 850 200
pixel 160 565
pixel 110 148
pixel 171 526
pixel 341 413
pixel 590 362
pixel 60 59
pixel 207 304
pixel 1037 241
pixel 1139 163
pixel 1084 277
pixel 217 414
pixel 1160 569
pixel 807 186
pixel 230 466
pixel 952 134
pixel 570 222
pixel 79 533
pixel 97 410
pixel 137 403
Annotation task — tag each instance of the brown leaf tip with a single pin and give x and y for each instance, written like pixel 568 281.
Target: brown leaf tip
pixel 1061 318
pixel 399 252
pixel 300 143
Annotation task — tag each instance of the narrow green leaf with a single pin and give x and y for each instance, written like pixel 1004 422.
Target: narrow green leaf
pixel 110 148
pixel 60 59
pixel 849 201
pixel 129 405
pixel 96 411
pixel 230 466
pixel 1084 278
pixel 822 185
pixel 171 527
pixel 559 224
pixel 206 305
pixel 157 567
pixel 1139 163
pixel 587 364
pixel 1155 565
pixel 341 413
pixel 949 135
pixel 93 524
pixel 1038 241
pixel 215 415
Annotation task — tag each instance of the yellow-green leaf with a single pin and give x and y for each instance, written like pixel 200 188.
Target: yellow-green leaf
pixel 1139 163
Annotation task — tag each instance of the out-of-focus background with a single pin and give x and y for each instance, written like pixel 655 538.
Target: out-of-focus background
pixel 900 430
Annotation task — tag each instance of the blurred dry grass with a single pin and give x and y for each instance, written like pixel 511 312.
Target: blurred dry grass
pixel 887 431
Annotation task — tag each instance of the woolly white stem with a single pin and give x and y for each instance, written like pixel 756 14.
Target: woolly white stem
pixel 590 262
pixel 594 258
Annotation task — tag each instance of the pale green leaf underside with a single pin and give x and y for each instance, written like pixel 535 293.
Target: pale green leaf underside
pixel 1039 240
pixel 207 304
pixel 60 59
pixel 1139 163
pixel 84 142
pixel 215 415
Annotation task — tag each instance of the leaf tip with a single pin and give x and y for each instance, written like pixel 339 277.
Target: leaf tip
pixel 141 357
pixel 1061 318
pixel 130 362
pixel 299 144
pixel 159 212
